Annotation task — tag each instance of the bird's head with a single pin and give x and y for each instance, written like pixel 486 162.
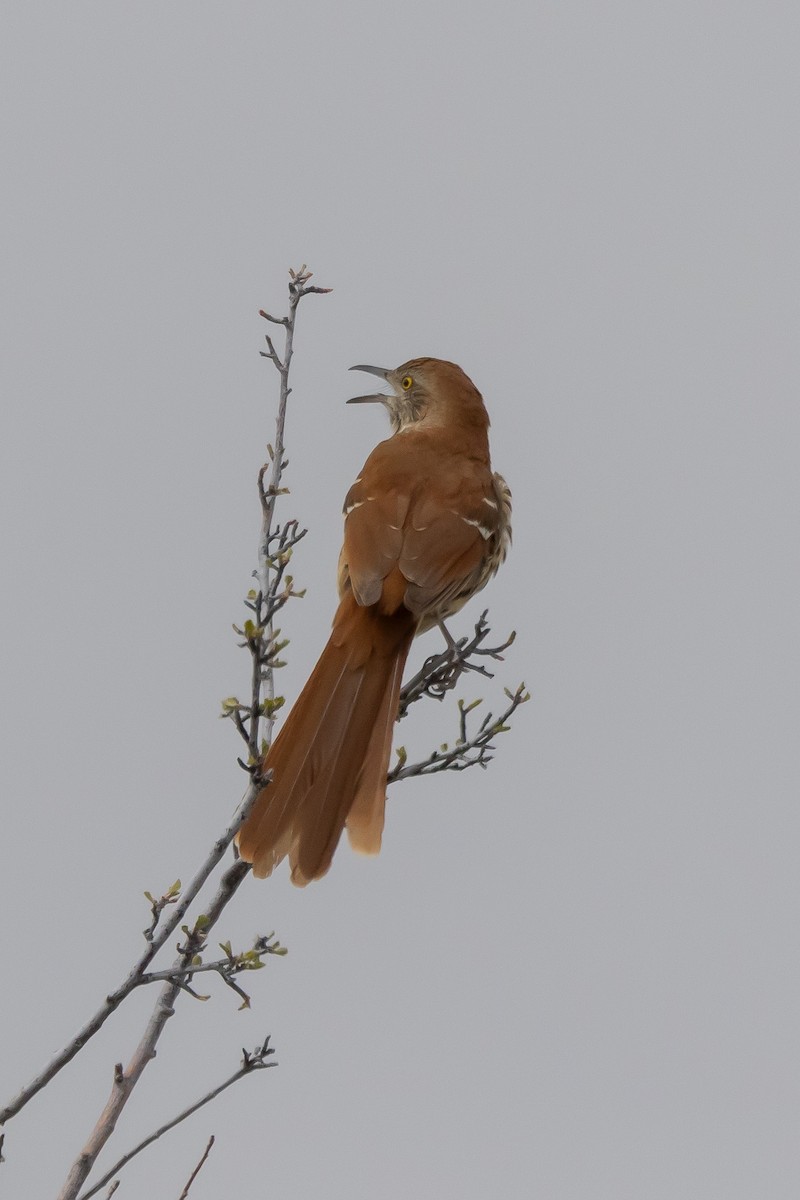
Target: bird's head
pixel 428 390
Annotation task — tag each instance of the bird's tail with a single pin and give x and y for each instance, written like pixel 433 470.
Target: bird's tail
pixel 330 759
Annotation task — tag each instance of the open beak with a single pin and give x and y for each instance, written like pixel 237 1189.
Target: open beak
pixel 375 397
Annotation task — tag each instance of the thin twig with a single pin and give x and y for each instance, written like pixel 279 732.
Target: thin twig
pixel 261 638
pixel 468 751
pixel 298 288
pixel 227 968
pixel 197 1169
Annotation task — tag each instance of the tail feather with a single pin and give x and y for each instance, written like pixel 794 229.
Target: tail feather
pixel 330 759
pixel 366 816
pixel 323 808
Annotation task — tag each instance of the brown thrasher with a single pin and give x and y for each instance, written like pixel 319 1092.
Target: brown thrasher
pixel 426 525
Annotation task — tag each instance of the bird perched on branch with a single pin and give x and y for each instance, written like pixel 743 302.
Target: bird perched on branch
pixel 426 525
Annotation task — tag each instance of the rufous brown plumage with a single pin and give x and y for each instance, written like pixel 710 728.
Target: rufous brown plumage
pixel 426 525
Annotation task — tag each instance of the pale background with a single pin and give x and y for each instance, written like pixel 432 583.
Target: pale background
pixel 575 975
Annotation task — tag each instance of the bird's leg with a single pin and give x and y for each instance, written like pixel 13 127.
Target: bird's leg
pixel 452 645
pixel 440 672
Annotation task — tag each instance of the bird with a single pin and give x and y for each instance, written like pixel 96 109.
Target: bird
pixel 427 523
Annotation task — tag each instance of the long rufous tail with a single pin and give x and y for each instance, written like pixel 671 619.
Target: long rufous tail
pixel 329 761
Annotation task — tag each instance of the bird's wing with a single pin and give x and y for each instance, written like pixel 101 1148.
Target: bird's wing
pixel 374 519
pixel 451 537
pixel 439 529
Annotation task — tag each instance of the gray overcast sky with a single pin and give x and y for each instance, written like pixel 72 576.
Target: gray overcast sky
pixel 576 974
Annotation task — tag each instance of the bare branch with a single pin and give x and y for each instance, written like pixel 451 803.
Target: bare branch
pixel 126 1080
pixel 272 559
pixel 297 290
pixel 157 940
pixel 251 1062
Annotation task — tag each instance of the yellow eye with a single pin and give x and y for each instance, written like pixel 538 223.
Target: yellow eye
pixel 407 382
